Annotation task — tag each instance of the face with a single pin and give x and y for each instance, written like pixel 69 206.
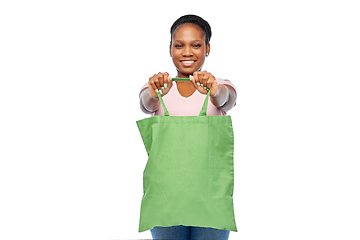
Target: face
pixel 188 49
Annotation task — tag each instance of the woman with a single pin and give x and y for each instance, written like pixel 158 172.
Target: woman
pixel 189 47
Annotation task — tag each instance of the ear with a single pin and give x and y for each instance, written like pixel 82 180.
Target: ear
pixel 207 49
pixel 170 50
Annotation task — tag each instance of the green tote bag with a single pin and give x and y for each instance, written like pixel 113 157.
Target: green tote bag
pixel 189 176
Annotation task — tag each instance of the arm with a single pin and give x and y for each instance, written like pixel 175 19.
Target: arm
pixel 225 98
pixel 148 103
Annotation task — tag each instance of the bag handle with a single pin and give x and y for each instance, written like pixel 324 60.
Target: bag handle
pixel 203 109
pixel 166 112
pixel 181 79
pixel 205 105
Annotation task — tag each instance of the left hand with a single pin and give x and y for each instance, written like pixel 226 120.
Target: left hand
pixel 203 79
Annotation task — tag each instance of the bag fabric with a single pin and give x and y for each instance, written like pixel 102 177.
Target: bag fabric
pixel 189 176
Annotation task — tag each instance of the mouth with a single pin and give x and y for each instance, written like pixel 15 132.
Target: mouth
pixel 187 63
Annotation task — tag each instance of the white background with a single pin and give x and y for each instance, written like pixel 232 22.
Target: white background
pixel 71 154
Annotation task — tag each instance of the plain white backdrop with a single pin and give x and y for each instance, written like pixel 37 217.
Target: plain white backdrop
pixel 71 154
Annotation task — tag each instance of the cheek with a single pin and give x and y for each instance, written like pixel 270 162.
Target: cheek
pixel 174 50
pixel 175 55
pixel 201 55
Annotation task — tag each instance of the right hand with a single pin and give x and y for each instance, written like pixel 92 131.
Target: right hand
pixel 160 81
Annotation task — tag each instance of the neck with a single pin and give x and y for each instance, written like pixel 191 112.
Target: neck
pixel 180 75
pixel 185 88
pixel 185 75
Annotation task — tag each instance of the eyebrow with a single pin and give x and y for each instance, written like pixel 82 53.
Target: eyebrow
pixel 197 40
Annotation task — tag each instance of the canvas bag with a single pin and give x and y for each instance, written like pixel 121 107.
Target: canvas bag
pixel 189 176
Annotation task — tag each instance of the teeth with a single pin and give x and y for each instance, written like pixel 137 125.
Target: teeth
pixel 188 62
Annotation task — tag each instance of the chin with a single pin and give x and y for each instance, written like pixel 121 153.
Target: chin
pixel 188 71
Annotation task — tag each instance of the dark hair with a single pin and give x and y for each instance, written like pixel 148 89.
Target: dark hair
pixel 204 25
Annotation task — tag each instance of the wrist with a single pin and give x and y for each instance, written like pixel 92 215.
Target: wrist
pixel 150 96
pixel 217 93
pixel 221 97
pixel 221 91
pixel 154 98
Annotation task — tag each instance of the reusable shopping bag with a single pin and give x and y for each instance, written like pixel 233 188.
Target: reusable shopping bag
pixel 189 176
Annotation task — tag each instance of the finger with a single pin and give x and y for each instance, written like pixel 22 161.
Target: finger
pixel 206 79
pixel 165 88
pixel 170 83
pixel 152 87
pixel 156 82
pixel 195 80
pixel 192 79
pixel 200 79
pixel 199 82
pixel 153 84
pixel 195 75
pixel 161 80
pixel 214 86
pixel 166 78
pixel 212 79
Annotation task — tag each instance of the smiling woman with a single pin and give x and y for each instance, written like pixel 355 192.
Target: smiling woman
pixel 189 44
pixel 189 47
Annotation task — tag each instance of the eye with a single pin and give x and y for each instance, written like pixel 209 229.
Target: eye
pixel 197 45
pixel 177 46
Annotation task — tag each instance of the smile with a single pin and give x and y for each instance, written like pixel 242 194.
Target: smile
pixel 188 63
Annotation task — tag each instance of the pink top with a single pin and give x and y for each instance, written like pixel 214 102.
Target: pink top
pixel 178 105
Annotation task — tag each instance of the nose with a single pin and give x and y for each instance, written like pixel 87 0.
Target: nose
pixel 187 51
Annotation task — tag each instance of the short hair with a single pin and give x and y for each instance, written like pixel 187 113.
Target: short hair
pixel 204 25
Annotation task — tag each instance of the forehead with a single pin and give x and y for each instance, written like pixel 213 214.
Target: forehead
pixel 188 31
